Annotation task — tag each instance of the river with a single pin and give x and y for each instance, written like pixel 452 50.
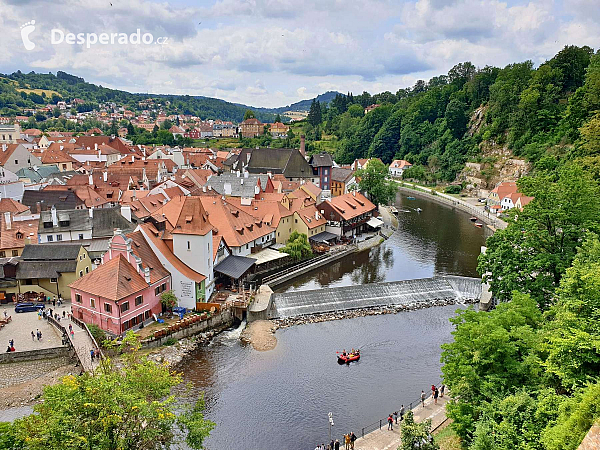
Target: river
pixel 280 399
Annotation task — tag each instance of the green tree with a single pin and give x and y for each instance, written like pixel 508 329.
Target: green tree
pixel 491 354
pixel 166 125
pixel 114 408
pixel 277 118
pixel 168 299
pixel 416 434
pixel 374 181
pixel 456 118
pixel 297 246
pixel 539 244
pixel 314 114
pixel 130 129
pixel 114 130
pixel 249 114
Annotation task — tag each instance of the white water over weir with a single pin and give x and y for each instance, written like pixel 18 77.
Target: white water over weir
pixel 424 290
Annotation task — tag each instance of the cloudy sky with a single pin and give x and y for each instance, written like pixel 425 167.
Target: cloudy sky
pixel 275 52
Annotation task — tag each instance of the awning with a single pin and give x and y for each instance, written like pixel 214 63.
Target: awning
pixel 267 254
pixel 324 237
pixel 374 222
pixel 234 266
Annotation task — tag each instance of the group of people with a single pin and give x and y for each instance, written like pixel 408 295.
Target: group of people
pixel 11 346
pixel 393 417
pixel 435 393
pixel 336 445
pixel 37 334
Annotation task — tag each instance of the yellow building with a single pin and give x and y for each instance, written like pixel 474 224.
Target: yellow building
pixel 50 268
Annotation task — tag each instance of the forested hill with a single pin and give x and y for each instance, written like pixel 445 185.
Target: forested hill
pixel 304 105
pixel 534 112
pixel 19 90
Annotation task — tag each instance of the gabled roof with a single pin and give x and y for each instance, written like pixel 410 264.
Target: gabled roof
pixel 114 280
pixel 311 217
pixel 36 174
pixel 186 215
pixel 142 250
pixel 341 175
pixel 12 206
pixel 351 205
pixel 287 161
pixel 321 160
pixel 6 154
pixel 240 186
pixel 400 164
pixel 60 199
pixel 26 229
pixel 55 252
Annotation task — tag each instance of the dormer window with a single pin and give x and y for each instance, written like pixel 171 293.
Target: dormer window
pixel 47 224
pixel 19 235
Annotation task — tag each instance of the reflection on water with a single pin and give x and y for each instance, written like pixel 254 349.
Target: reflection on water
pixel 437 241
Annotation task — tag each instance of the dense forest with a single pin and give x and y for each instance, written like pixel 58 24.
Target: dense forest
pixel 15 94
pixel 535 112
pixel 526 375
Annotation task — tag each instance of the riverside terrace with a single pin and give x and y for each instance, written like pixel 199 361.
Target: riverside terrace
pixel 421 291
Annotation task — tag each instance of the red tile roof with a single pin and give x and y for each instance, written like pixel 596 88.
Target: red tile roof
pixel 351 205
pixel 113 280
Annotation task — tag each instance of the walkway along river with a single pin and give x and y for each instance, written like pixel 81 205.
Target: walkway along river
pixel 280 399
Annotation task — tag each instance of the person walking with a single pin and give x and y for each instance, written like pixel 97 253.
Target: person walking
pixel 352 439
pixel 432 389
pixel 72 334
pixel 390 423
pixel 37 332
pixel 423 398
pixel 32 336
pixel 347 441
pixel 70 327
pixel 331 444
pixel 64 314
pixel 442 389
pixel 92 355
pixel 337 445
pixel 436 393
pixel 396 417
pixel 54 302
pixel 401 413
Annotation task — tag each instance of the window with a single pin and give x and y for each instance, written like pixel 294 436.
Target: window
pixel 50 238
pixel 156 290
pixel 107 307
pixel 93 303
pixel 124 307
pixel 83 256
pixel 163 287
pixel 78 298
pixel 59 237
pixel 53 280
pixel 16 161
pixel 64 167
pixel 87 269
pixel 139 300
pixel 188 245
pixel 80 273
pixel 15 252
pixel 296 220
pixel 80 236
pixel 19 235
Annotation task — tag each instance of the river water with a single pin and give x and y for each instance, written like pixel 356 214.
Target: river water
pixel 280 399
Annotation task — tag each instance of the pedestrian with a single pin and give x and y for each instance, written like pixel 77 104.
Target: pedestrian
pixel 70 327
pixel 8 350
pixel 32 336
pixel 432 389
pixel 11 343
pixel 64 314
pixel 435 395
pixel 5 314
pixel 54 302
pixel 401 413
pixel 442 389
pixel 390 422
pixel 352 439
pixel 423 398
pixel 337 445
pixel 39 314
pixel 12 348
pixel 396 417
pixel 72 334
pixel 92 355
pixel 331 444
pixel 347 441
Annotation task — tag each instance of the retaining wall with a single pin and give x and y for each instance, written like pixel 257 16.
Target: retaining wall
pixel 34 355
pixel 225 318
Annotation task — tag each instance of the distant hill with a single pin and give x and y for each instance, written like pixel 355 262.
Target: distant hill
pixel 29 90
pixel 304 105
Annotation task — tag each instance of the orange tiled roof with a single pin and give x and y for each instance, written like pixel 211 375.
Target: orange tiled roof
pixel 113 280
pixel 12 206
pixel 351 205
pixel 142 250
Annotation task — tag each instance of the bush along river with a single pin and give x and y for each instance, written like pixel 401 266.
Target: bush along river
pixel 280 399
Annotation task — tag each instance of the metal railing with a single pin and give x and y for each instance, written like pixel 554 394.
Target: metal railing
pixel 382 422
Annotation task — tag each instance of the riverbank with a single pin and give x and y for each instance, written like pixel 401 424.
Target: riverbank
pixel 491 220
pixel 261 335
pixel 376 311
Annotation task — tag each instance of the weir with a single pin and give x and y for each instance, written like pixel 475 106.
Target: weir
pixel 424 290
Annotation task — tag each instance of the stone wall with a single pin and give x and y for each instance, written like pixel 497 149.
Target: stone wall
pixel 33 355
pixel 225 317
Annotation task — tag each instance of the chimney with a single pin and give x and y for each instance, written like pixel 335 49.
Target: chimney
pixel 91 211
pixel 96 146
pixel 54 218
pixel 61 147
pixel 132 158
pixel 91 179
pixel 303 145
pixel 316 215
pixel 237 173
pixel 227 188
pixel 7 220
pixel 38 207
pixel 99 155
pixel 147 274
pixel 126 212
pixel 105 176
pixel 3 147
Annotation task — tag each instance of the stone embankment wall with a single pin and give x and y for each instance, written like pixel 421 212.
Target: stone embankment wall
pixel 35 355
pixel 224 318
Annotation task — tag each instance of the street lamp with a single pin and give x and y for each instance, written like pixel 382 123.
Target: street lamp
pixel 330 424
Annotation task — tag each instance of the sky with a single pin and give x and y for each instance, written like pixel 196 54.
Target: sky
pixel 272 53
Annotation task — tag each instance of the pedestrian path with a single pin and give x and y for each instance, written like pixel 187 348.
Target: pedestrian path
pixel 385 439
pixel 82 343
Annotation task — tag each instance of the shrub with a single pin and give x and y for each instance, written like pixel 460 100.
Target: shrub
pixel 453 189
pixel 98 333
